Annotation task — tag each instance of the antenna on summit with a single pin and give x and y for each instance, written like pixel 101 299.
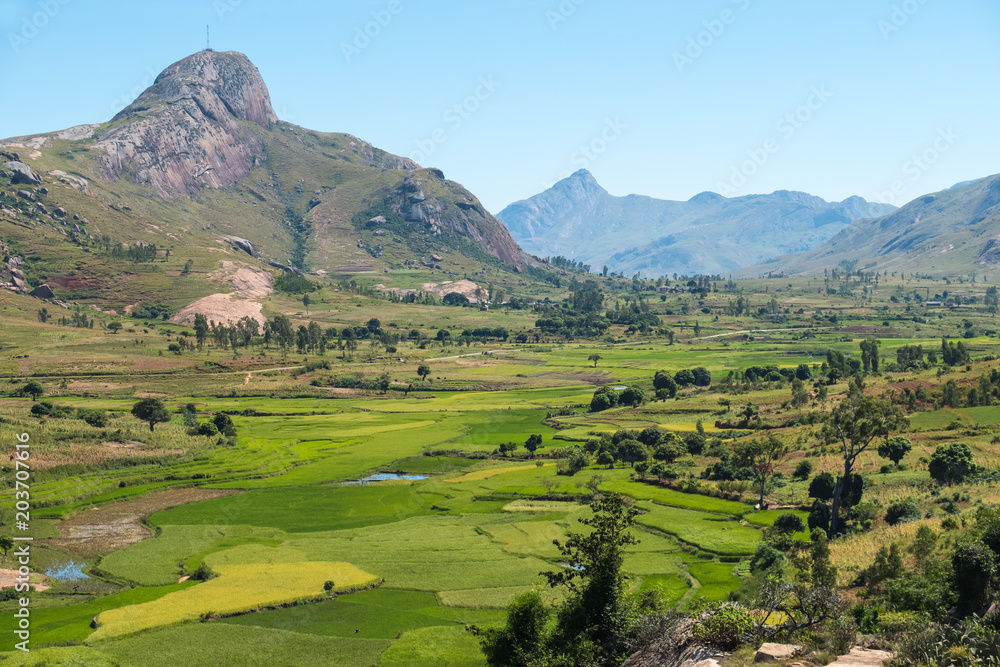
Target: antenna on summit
pixel 208 39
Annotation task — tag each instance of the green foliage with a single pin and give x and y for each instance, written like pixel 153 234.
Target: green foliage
pixel 902 511
pixel 974 579
pixel 951 463
pixel 728 626
pixel 32 389
pixel 895 448
pixel 803 469
pixel 823 486
pixel 522 642
pixel 604 399
pixel 789 523
pixel 293 283
pixel 152 411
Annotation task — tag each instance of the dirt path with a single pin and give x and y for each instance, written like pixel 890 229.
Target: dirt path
pixel 460 356
pixel 750 331
pixel 9 578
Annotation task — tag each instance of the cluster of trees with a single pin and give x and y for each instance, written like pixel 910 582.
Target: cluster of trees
pixel 566 264
pixel 78 319
pixel 137 254
pixel 608 397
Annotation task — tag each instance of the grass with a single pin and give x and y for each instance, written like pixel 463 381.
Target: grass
pixel 50 625
pixel 213 644
pixel 444 646
pixel 373 614
pixel 707 532
pixel 237 588
pixel 480 475
pixel 716 579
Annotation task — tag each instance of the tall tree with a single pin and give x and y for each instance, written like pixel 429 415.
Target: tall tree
pixel 761 457
pixel 855 424
pixel 152 411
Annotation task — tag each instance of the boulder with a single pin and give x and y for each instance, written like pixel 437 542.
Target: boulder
pixel 861 657
pixel 42 292
pixel 19 284
pixel 41 207
pixel 242 244
pixel 313 203
pixel 775 652
pixel 437 258
pixel 24 194
pixel 44 191
pixel 22 174
pixel 59 212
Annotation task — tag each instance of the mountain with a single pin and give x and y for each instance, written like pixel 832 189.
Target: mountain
pixel 707 234
pixel 955 231
pixel 201 166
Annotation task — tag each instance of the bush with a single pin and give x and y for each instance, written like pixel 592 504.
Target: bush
pixel 803 470
pixel 789 523
pixel 203 572
pixel 729 627
pixel 902 511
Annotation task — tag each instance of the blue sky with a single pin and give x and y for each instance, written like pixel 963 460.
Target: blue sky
pixel 887 99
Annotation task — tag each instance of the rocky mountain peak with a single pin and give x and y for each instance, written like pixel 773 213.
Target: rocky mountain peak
pixel 189 129
pixel 220 82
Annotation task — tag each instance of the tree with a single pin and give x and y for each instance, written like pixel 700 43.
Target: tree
pixel 595 358
pixel 670 449
pixel 803 470
pixel 761 457
pixel 33 389
pixel 819 516
pixel 684 378
pixel 821 570
pixel 151 411
pixel 6 543
pixel 603 399
pixel 632 451
pixel 533 443
pixel 974 577
pixel 423 370
pixel 803 372
pixel 789 523
pixel 632 396
pixel 823 486
pixel 114 327
pixel 522 642
pixel 869 355
pixel 200 329
pixel 702 376
pixel 895 449
pixel 951 463
pixel 597 609
pixel 855 423
pixel 664 380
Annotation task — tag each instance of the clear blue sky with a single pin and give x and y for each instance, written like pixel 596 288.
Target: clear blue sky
pixel 571 74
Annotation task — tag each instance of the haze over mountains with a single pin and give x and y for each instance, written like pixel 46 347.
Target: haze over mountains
pixel 708 234
pixel 955 231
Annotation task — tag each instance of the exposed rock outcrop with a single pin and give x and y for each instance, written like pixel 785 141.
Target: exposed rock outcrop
pixel 192 127
pixel 426 198
pixel 22 174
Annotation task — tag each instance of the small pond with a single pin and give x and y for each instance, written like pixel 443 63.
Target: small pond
pixel 383 476
pixel 71 571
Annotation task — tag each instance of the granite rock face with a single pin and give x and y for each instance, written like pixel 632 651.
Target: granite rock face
pixel 195 127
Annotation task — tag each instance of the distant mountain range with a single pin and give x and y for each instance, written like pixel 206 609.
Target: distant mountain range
pixel 708 234
pixel 955 231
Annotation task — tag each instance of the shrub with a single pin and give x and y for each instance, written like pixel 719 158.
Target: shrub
pixel 803 470
pixel 729 626
pixel 789 523
pixel 902 511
